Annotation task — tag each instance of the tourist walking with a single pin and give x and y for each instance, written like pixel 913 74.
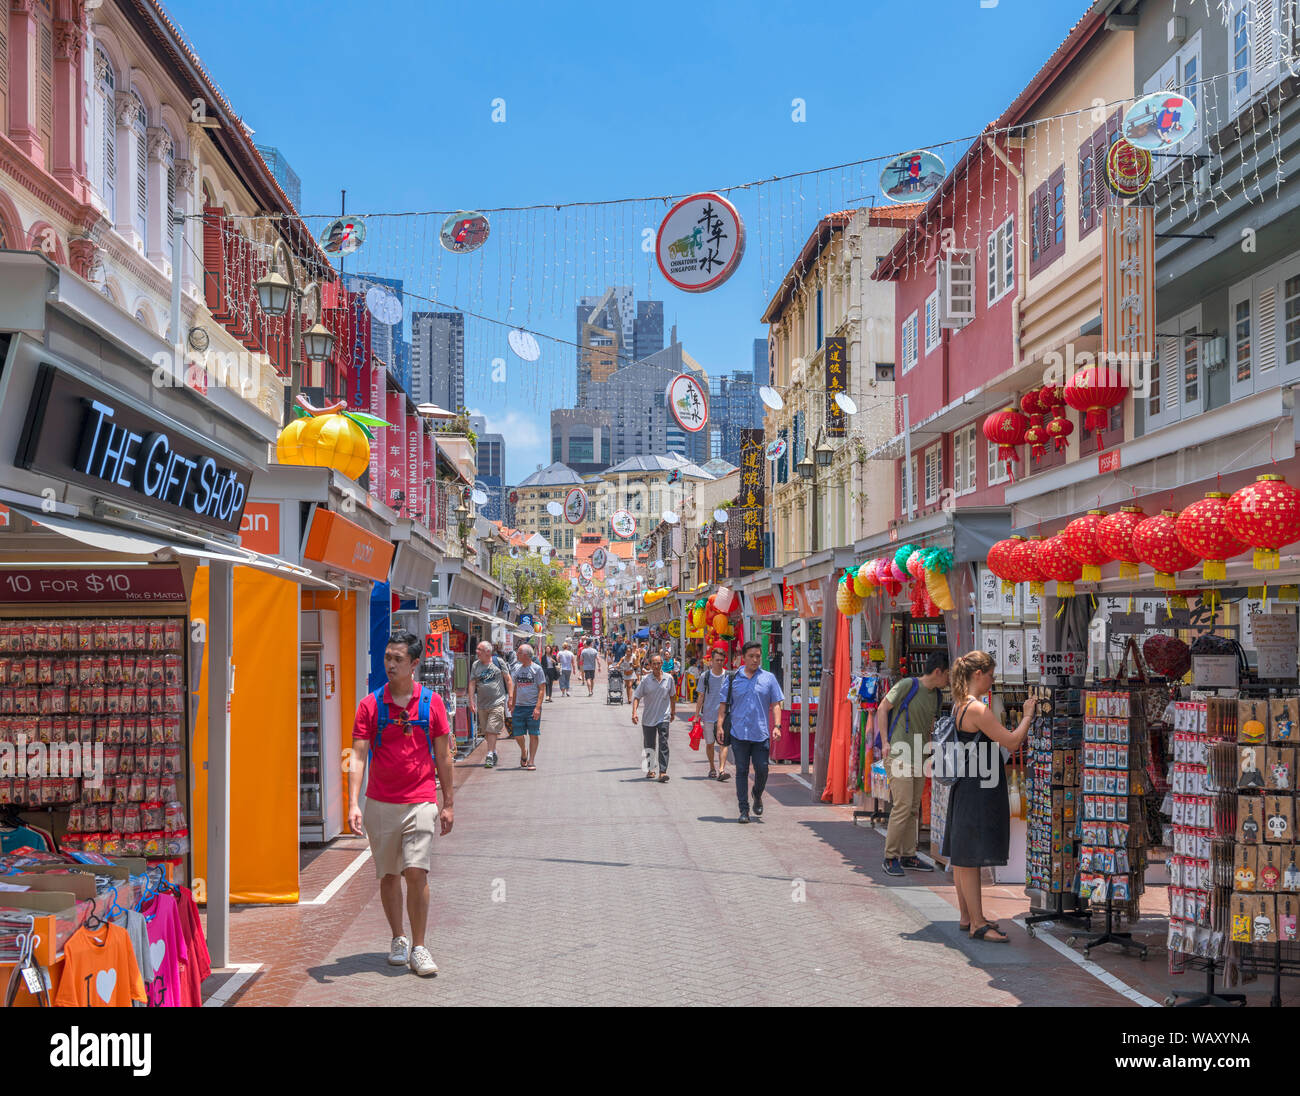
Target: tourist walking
pixel 565 659
pixel 551 667
pixel 708 697
pixel 403 730
pixel 658 691
pixel 907 716
pixel 978 831
pixel 589 658
pixel 526 716
pixel 491 694
pixel 753 697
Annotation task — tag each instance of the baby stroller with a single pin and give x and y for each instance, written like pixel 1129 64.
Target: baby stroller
pixel 615 694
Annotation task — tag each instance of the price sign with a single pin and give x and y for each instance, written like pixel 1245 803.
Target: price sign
pixel 1128 624
pixel 91 584
pixel 441 624
pixel 1214 671
pixel 1062 663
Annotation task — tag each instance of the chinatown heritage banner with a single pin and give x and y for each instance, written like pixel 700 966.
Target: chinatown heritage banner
pixel 751 502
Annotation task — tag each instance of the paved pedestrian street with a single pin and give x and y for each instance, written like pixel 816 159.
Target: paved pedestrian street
pixel 582 883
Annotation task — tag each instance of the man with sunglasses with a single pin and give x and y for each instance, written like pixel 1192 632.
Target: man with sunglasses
pixel 405 744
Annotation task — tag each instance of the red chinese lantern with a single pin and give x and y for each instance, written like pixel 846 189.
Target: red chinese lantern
pixel 1115 536
pixel 1051 397
pixel 1058 565
pixel 1202 529
pixel 1031 405
pixel 1156 543
pixel 1081 542
pixel 1025 560
pixel 1036 438
pixel 1094 390
pixel 1060 429
pixel 1003 563
pixel 1006 429
pixel 1265 515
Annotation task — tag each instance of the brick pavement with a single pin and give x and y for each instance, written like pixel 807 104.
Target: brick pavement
pixel 583 883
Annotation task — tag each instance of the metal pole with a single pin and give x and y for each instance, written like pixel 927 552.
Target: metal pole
pixel 178 243
pixel 220 606
pixel 907 460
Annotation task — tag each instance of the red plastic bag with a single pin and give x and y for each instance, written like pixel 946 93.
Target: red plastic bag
pixel 697 733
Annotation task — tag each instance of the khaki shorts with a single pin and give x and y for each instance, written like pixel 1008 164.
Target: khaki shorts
pixel 401 835
pixel 493 720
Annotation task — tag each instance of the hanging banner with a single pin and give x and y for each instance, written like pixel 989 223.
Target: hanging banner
pixel 464 232
pixel 700 243
pixel 343 236
pixel 751 502
pixel 1159 120
pixel 837 380
pixel 575 506
pixel 688 402
pixel 1128 298
pixel 912 177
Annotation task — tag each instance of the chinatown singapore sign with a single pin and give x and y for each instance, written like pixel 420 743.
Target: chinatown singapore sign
pixel 700 242
pixel 688 403
pixel 623 524
pixel 575 506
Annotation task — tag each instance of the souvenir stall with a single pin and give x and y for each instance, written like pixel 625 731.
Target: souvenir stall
pixel 802 657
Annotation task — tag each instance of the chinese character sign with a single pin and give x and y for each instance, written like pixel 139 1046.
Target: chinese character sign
pixel 687 402
pixel 751 502
pixel 837 380
pixel 1128 300
pixel 700 242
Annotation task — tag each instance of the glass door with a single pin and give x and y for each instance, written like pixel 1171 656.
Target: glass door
pixel 311 822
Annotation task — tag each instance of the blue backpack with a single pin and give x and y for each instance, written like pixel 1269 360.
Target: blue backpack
pixel 422 719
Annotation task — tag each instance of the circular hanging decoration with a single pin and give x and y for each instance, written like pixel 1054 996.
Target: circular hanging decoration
pixel 1128 169
pixel 1002 562
pixel 514 498
pixel 1095 390
pixel 846 403
pixel 1058 565
pixel 1059 429
pixel 622 524
pixel 700 242
pixel 864 581
pixel 464 232
pixel 524 344
pixel 1169 656
pixel 1051 397
pixel 1159 120
pixel 575 506
pixel 1156 543
pixel 384 306
pixel 1006 429
pixel 586 570
pixel 1080 538
pixel 912 177
pixel 343 235
pixel 775 449
pixel 599 559
pixel 1030 403
pixel 771 399
pixel 555 509
pixel 1265 515
pixel 1024 558
pixel 688 402
pixel 885 576
pixel 902 554
pixel 846 600
pixel 1115 536
pixel 1202 529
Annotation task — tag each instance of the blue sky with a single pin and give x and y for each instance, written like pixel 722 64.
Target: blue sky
pixel 393 100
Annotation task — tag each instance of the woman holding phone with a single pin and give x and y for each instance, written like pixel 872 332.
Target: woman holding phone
pixel 978 833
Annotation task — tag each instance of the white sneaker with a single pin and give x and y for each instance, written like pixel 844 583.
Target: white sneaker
pixel 399 954
pixel 422 962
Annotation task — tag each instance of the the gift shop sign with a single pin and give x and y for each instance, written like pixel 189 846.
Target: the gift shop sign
pixel 334 540
pixel 78 434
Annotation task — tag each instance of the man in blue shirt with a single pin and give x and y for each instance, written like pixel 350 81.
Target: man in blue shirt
pixel 753 696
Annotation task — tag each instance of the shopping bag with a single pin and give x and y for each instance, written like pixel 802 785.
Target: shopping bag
pixel 697 733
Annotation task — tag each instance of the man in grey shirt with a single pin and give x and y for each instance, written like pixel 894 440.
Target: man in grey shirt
pixel 526 723
pixel 589 657
pixel 659 692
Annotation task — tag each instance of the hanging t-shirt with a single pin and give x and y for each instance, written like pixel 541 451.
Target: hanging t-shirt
pixel 166 950
pixel 137 928
pixel 99 970
pixel 198 963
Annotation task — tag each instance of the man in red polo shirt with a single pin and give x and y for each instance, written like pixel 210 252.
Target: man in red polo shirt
pixel 401 811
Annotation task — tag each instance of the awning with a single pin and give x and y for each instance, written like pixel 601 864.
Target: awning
pixel 110 538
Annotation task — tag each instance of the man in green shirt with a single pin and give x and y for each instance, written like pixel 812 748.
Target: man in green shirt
pixel 910 724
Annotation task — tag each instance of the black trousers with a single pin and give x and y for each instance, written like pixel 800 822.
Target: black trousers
pixel 656 734
pixel 744 752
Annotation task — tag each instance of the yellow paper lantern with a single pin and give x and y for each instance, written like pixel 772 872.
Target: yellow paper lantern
pixel 936 585
pixel 847 599
pixel 862 583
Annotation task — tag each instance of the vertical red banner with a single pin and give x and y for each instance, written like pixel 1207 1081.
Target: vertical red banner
pixel 395 447
pixel 427 466
pixel 414 458
pixel 378 406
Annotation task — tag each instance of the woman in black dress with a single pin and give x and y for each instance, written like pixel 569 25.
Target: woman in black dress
pixel 978 831
pixel 551 667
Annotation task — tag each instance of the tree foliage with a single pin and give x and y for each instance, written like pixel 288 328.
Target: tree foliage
pixel 533 584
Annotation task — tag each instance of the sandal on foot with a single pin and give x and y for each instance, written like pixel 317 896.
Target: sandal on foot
pixel 724 776
pixel 713 774
pixel 531 767
pixel 982 933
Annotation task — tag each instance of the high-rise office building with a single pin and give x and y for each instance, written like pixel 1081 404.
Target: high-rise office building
pixel 438 358
pixel 387 342
pixel 762 362
pixel 284 174
pixel 733 406
pixel 648 332
pixel 580 438
pixel 490 467
pixel 613 331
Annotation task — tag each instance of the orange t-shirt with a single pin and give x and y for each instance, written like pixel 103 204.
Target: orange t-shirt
pixel 100 970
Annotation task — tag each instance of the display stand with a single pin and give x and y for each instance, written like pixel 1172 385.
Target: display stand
pixel 1108 935
pixel 1208 997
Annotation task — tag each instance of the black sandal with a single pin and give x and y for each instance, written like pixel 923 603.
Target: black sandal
pixel 724 776
pixel 982 933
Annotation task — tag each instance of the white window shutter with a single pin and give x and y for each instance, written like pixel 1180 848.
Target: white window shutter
pixel 992 251
pixel 957 288
pixel 1170 379
pixel 1266 28
pixel 932 337
pixel 1009 253
pixel 1266 329
pixel 970 458
pixel 108 144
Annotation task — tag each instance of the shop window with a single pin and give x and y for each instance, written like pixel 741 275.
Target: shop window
pixel 999 471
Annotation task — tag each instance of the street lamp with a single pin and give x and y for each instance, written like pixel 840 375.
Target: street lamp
pixel 823 452
pixel 805 467
pixel 276 294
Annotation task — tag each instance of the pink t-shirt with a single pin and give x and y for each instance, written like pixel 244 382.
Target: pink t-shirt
pixel 402 769
pixel 166 949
